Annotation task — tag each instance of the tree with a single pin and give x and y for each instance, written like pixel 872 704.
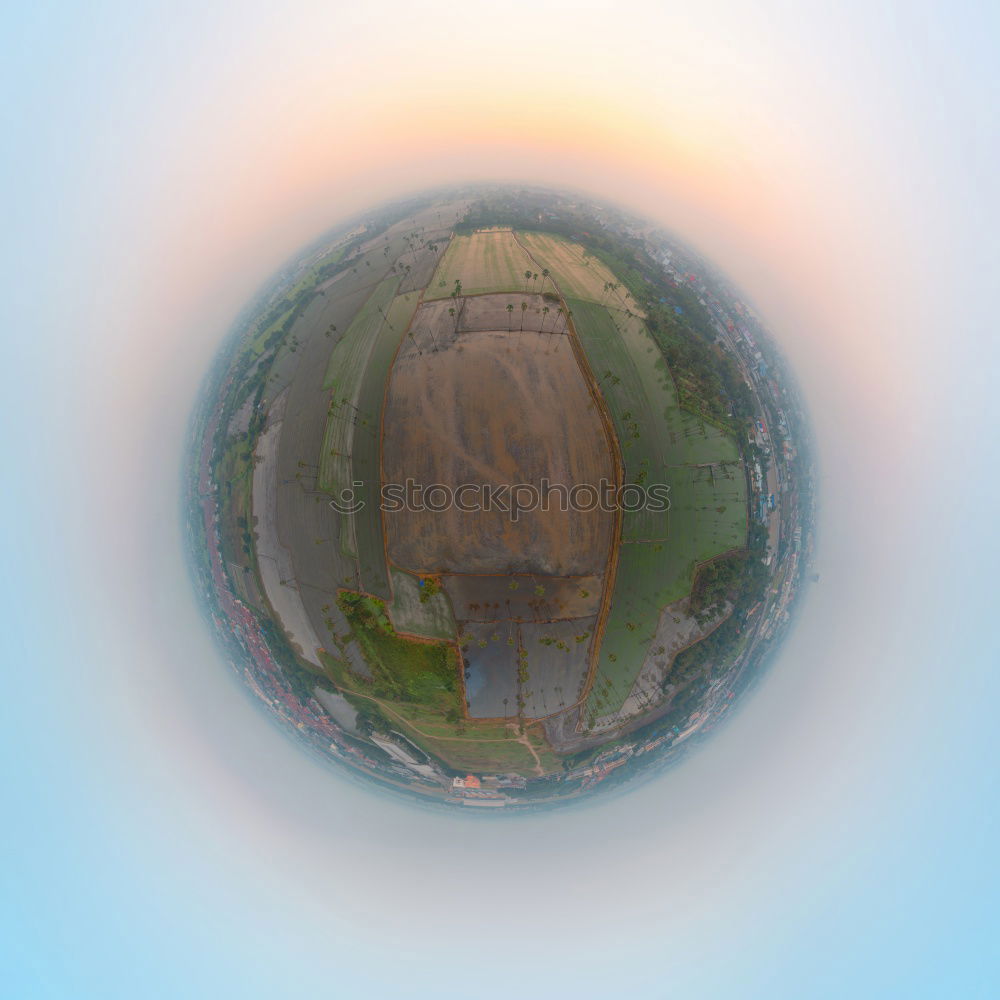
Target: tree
pixel 510 315
pixel 527 278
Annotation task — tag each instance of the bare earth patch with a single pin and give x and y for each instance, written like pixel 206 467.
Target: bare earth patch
pixel 490 408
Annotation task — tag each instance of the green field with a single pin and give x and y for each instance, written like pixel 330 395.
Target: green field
pixel 406 670
pixel 636 386
pixel 660 443
pixel 483 262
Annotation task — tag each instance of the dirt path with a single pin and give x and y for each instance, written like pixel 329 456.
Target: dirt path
pixel 526 742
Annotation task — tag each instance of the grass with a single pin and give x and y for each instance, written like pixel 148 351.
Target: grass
pixel 636 386
pixel 661 443
pixel 483 262
pixel 403 669
pixel 485 748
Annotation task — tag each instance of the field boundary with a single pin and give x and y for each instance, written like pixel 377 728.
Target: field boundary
pixel 618 462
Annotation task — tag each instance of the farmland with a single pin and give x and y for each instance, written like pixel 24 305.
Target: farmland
pixel 366 449
pixel 356 378
pixel 529 597
pixel 434 725
pixel 637 390
pixel 344 374
pixel 415 612
pixel 483 262
pixel 578 274
pixel 661 443
pixel 479 410
pixel 403 669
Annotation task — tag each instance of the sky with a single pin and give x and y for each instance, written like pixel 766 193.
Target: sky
pixel 837 162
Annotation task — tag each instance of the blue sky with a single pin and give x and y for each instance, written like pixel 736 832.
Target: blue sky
pixel 837 838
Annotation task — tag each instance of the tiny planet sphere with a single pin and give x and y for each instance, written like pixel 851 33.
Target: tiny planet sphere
pixel 500 497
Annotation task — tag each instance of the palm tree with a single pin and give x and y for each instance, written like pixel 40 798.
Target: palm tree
pixel 527 278
pixel 430 333
pixel 545 274
pixel 510 313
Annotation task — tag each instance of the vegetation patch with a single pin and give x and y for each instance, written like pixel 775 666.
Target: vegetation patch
pixel 403 669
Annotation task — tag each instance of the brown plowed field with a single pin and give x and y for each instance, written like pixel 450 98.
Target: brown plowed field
pixel 493 408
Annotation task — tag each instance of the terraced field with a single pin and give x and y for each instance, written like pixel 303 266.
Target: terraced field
pixel 484 262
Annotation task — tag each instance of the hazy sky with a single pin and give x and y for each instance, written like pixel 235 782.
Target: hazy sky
pixel 838 162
